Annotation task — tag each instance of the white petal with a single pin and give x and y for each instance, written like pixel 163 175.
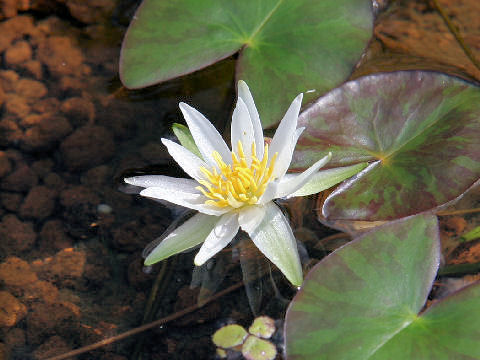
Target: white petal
pixel 187 197
pixel 284 157
pixel 287 186
pixel 281 167
pixel 298 132
pixel 189 162
pixel 223 232
pixel 250 217
pixel 191 233
pixel 206 137
pixel 274 238
pixel 325 179
pixel 286 128
pixel 269 194
pixel 161 180
pixel 246 96
pixel 242 129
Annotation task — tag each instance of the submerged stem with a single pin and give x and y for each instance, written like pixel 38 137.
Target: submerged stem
pixel 145 327
pixel 459 269
pixel 458 212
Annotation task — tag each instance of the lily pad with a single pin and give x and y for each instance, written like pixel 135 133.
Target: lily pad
pixel 361 296
pixel 449 329
pixel 286 46
pixel 420 130
pixel 255 348
pixel 229 336
pixel 262 326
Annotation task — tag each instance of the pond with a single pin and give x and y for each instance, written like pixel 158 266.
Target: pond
pixel 72 234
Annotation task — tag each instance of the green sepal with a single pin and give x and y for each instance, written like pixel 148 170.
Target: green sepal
pixel 325 179
pixel 185 137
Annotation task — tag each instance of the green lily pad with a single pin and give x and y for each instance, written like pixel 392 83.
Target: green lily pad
pixel 255 348
pixel 286 46
pixel 361 296
pixel 420 130
pixel 262 326
pixel 229 336
pixel 449 329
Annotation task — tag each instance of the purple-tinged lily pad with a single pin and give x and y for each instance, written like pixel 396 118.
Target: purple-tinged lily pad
pixel 363 294
pixel 286 46
pixel 421 131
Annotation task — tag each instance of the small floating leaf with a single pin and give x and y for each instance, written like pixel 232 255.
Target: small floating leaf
pixel 258 349
pixel 222 354
pixel 262 326
pixel 229 336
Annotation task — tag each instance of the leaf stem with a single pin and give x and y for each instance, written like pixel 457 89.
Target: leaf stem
pixel 458 212
pixel 459 269
pixel 145 327
pixel 150 310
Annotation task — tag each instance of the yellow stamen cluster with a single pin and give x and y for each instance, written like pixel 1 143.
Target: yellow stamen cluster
pixel 237 184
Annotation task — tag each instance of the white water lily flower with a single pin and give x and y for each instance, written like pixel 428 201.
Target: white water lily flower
pixel 233 189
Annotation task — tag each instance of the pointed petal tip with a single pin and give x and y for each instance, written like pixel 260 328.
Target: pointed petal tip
pixel 168 142
pixel 165 141
pixel 198 261
pixel 322 162
pixel 243 106
pixel 299 98
pixel 242 87
pixel 185 108
pixel 145 192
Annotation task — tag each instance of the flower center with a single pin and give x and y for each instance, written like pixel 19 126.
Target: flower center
pixel 237 184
